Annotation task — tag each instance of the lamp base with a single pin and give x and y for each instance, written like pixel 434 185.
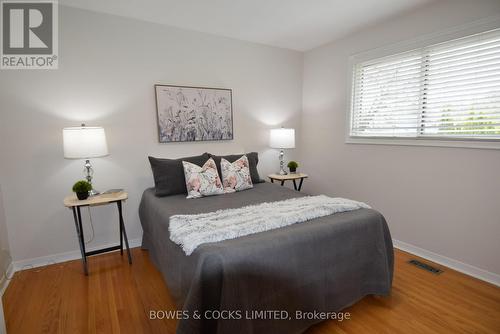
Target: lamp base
pixel 282 163
pixel 89 173
pixel 94 192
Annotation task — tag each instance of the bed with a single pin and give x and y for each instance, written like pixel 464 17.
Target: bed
pixel 322 265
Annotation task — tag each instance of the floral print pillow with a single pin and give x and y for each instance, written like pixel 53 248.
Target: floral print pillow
pixel 202 181
pixel 236 175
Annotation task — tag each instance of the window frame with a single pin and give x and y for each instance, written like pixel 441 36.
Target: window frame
pixel 475 27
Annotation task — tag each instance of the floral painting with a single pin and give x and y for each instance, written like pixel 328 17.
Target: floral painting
pixel 193 113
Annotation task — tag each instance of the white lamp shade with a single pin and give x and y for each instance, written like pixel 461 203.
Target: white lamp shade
pixel 282 138
pixel 84 142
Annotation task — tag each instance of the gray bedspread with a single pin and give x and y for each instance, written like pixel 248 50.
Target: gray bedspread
pixel 322 265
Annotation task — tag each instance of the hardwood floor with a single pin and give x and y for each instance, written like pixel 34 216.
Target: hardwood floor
pixel 116 298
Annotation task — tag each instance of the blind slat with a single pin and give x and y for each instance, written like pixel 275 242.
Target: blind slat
pixel 435 124
pixel 492 88
pixel 460 44
pixel 466 128
pixel 490 59
pixel 405 68
pixel 466 79
pixel 391 95
pixel 456 75
pixel 390 75
pixel 467 50
pixel 429 115
pixel 460 100
pixel 465 58
pixel 470 67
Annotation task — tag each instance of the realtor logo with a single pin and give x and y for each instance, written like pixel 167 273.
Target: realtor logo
pixel 29 34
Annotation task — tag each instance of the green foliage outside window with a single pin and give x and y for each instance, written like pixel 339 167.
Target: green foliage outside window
pixel 478 123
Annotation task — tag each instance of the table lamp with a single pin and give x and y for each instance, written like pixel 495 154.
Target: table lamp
pixel 282 139
pixel 85 142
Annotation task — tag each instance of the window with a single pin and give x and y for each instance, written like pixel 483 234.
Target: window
pixel 443 91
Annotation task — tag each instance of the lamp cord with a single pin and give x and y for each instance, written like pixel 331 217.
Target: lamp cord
pixel 5 276
pixel 91 226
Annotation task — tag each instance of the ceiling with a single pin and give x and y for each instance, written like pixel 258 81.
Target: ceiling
pixel 292 24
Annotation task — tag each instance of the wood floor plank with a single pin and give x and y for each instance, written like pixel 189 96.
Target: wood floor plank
pixel 117 298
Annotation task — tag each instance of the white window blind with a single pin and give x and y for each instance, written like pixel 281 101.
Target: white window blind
pixel 448 90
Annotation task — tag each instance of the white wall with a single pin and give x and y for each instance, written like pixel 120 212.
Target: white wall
pixel 445 200
pixel 108 66
pixel 3 330
pixel 5 258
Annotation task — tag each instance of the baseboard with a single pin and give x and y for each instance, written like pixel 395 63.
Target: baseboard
pixel 4 283
pixel 423 253
pixel 450 263
pixel 62 257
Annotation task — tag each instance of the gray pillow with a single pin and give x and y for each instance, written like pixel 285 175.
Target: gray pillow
pixel 168 174
pixel 253 160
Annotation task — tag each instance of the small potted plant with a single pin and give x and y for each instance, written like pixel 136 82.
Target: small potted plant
pixel 292 165
pixel 82 188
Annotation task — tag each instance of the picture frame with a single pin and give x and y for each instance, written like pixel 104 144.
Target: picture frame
pixel 192 114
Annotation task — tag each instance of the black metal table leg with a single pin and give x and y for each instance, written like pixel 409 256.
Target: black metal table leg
pixel 81 239
pixel 78 233
pixel 121 238
pixel 294 184
pixel 272 180
pixel 282 182
pixel 119 203
pixel 300 184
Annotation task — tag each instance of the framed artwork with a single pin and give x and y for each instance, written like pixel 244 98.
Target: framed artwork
pixel 193 113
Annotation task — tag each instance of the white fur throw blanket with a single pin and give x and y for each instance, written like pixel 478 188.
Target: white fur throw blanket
pixel 190 231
